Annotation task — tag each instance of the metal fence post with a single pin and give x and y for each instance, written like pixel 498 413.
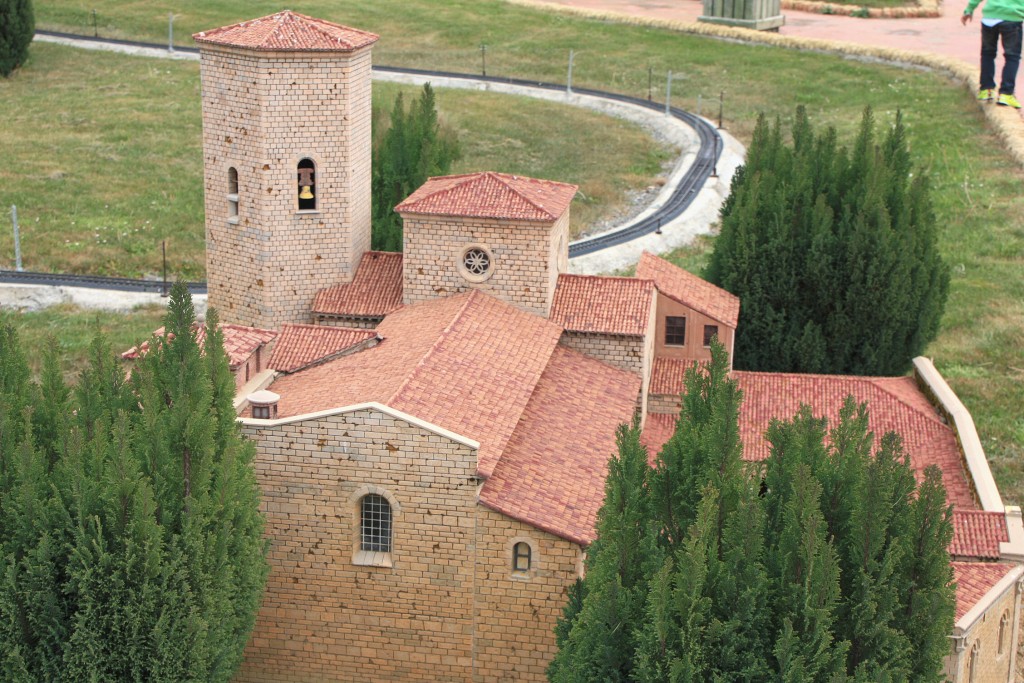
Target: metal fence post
pixel 668 94
pixel 483 60
pixel 170 31
pixel 17 239
pixel 95 29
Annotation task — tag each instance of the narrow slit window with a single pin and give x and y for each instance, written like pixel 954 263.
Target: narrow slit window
pixel 375 524
pixel 522 555
pixel 232 192
pixel 675 330
pixel 307 185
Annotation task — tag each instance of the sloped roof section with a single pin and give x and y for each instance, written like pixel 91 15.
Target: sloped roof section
pixel 552 473
pixel 689 290
pixel 375 290
pixel 467 363
pixel 478 376
pixel 490 195
pixel 608 305
pixel 240 342
pixel 977 534
pixel 974 580
pixel 303 345
pixel 894 404
pixel 288 31
pixel 668 375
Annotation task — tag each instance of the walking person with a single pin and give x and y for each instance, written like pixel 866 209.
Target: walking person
pixel 1000 19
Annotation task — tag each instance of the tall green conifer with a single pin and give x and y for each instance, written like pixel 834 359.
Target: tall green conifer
pixel 17 27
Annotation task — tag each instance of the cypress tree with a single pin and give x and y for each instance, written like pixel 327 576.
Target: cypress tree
pixel 601 643
pixel 831 251
pixel 414 147
pixel 17 27
pixel 132 543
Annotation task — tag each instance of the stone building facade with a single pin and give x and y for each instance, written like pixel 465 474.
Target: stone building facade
pixel 433 427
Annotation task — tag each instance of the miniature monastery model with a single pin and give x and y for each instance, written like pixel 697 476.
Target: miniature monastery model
pixel 433 427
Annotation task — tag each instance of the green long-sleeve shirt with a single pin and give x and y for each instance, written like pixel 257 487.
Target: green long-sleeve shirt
pixel 1006 10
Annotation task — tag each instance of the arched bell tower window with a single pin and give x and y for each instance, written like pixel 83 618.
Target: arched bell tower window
pixel 306 185
pixel 232 195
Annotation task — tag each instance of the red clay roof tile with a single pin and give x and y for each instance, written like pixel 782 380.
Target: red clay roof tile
pixel 974 580
pixel 689 290
pixel 891 405
pixel 610 305
pixel 977 534
pixel 240 342
pixel 375 290
pixel 303 345
pixel 490 195
pixel 668 375
pixel 552 473
pixel 467 363
pixel 288 31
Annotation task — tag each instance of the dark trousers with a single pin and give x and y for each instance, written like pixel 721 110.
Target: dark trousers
pixel 1010 32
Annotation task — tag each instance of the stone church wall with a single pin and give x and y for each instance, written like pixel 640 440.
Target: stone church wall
pixel 992 665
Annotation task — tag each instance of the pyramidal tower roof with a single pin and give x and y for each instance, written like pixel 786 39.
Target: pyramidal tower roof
pixel 289 31
pixel 490 195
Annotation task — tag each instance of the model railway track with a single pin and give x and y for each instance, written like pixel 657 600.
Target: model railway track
pixel 703 166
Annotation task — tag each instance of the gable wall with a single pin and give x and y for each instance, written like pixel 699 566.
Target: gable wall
pixel 521 250
pixel 694 348
pixel 324 618
pixel 992 667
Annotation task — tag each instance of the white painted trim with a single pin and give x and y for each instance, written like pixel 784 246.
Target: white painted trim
pixel 261 380
pixel 967 621
pixel 963 424
pixel 371 405
pixel 1014 548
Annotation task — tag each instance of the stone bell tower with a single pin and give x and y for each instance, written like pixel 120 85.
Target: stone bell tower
pixel 286 152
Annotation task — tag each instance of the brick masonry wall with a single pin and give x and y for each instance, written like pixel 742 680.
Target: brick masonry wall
pixel 516 616
pixel 624 352
pixel 325 618
pixel 262 114
pixel 525 258
pixel 449 609
pixel 992 666
pixel 665 404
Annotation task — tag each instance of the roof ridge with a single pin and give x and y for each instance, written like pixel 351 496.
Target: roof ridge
pixel 631 278
pixel 433 347
pixel 500 179
pixel 931 415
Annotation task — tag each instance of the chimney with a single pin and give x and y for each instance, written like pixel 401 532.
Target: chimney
pixel 264 404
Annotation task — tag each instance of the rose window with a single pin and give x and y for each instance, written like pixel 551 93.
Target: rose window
pixel 476 261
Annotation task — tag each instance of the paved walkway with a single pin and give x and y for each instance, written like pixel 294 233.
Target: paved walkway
pixel 942 35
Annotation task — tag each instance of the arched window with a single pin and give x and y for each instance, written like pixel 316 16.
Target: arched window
pixel 307 185
pixel 375 524
pixel 232 193
pixel 972 664
pixel 522 556
pixel 1003 623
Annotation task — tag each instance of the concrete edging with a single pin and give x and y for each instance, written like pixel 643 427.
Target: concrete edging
pixel 1005 121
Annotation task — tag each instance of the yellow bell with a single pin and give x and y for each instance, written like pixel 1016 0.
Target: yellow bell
pixel 305 194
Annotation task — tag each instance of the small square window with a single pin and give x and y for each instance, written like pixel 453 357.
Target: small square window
pixel 710 332
pixel 675 330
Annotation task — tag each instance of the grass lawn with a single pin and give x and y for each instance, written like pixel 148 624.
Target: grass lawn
pixel 75 328
pixel 101 154
pixel 976 187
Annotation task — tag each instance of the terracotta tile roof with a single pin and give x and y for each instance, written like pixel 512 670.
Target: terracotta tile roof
pixel 467 363
pixel 375 290
pixel 977 534
pixel 240 342
pixel 892 406
pixel 612 305
pixel 668 375
pixel 552 473
pixel 689 290
pixel 302 345
pixel 490 195
pixel 974 580
pixel 288 30
pixel 658 429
